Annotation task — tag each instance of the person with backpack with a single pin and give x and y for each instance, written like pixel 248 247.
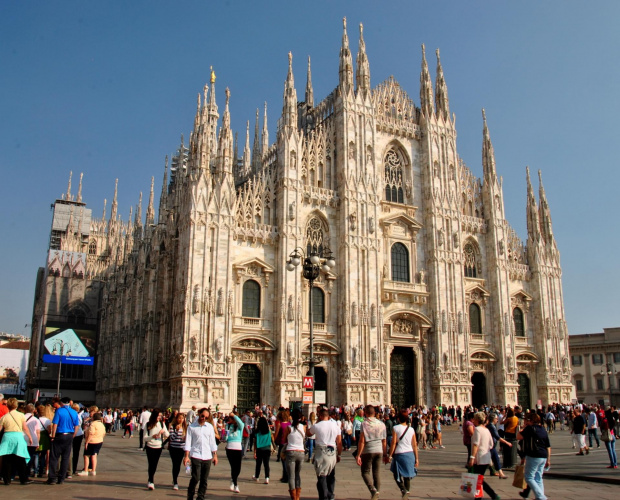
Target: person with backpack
pixel 537 455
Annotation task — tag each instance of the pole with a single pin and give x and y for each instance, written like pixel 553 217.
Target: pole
pixel 311 281
pixel 59 367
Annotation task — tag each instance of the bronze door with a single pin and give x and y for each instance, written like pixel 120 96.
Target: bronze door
pixel 402 377
pixel 523 396
pixel 248 387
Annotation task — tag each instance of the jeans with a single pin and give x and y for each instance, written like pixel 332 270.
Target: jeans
pixel 592 432
pixel 372 462
pixel 141 442
pixel 346 441
pixel 200 475
pixel 61 450
pixel 77 445
pixel 533 476
pixel 481 469
pixel 33 465
pixel 310 444
pixel 495 458
pixel 152 456
pixel 176 455
pixel 611 450
pixel 294 459
pixel 326 485
pixel 234 459
pixel 262 457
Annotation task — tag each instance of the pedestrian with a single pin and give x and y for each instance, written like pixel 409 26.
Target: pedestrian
pixel 437 430
pixel 403 454
pixel 480 456
pixel 234 452
pixel 608 435
pixel 176 446
pixel 579 432
pixel 357 429
pixel 45 414
pixel 537 455
pixel 154 437
pixel 13 447
pixel 142 421
pixel 497 439
pixel 248 422
pixel 371 449
pixel 200 452
pixel 511 427
pixel 263 443
pixel 64 426
pixel 310 439
pixel 34 426
pixel 592 428
pixel 76 445
pixel 92 446
pixel 328 449
pixel 347 433
pixel 282 422
pixel 294 436
pixel 128 425
pixel 191 415
pixel 468 432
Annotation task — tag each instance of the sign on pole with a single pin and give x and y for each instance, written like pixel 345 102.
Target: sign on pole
pixel 308 383
pixel 307 398
pixel 320 397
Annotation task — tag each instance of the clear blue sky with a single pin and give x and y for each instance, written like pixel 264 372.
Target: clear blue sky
pixel 107 88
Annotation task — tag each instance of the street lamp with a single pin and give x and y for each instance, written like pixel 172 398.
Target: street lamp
pixel 313 263
pixel 55 348
pixel 609 369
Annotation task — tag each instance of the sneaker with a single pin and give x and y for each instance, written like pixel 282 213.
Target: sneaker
pixel 236 490
pixel 523 494
pixel 375 496
pixel 92 472
pixel 266 480
pixel 68 476
pixel 28 481
pixel 254 478
pixel 150 486
pixel 442 446
pixel 232 487
pixel 175 487
pixel 82 473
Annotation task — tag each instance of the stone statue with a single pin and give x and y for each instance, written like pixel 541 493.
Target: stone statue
pixel 290 352
pixel 354 356
pixel 219 347
pixel 353 221
pixel 371 225
pixel 374 357
pixel 422 277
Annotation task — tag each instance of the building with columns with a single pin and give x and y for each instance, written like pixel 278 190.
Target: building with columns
pixel 433 299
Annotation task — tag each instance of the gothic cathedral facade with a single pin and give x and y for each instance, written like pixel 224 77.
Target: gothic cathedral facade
pixel 433 299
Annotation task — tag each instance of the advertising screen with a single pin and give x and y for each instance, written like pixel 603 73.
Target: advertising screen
pixel 75 345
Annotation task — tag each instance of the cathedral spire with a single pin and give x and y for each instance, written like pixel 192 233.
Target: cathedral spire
pixel 426 87
pixel 138 219
pixel 441 92
pixel 309 91
pixel 256 148
pixel 105 204
pixel 533 222
pixel 79 195
pixel 68 194
pixel 545 214
pixel 246 152
pixel 265 134
pixel 362 75
pixel 488 155
pixel 225 140
pixel 289 110
pixel 212 104
pixel 346 61
pixel 114 211
pixel 150 211
pixel 163 198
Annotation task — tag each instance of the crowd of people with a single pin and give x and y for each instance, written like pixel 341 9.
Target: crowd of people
pixel 39 440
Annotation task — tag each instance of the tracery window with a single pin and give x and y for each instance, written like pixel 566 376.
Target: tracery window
pixel 393 177
pixel 315 242
pixel 475 319
pixel 92 247
pixel 251 299
pixel 470 261
pixel 318 305
pixel 517 317
pixel 400 263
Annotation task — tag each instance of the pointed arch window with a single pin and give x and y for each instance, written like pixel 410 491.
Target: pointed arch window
pixel 318 305
pixel 393 177
pixel 400 263
pixel 475 319
pixel 517 317
pixel 92 247
pixel 470 261
pixel 315 242
pixel 251 299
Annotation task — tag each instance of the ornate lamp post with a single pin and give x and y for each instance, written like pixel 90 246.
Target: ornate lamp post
pixel 313 264
pixel 59 344
pixel 610 370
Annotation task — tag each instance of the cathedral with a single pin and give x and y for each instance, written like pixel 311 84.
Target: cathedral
pixel 433 297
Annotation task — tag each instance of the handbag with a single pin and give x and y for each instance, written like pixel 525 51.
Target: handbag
pixel 283 454
pixel 519 479
pixel 606 435
pixel 471 485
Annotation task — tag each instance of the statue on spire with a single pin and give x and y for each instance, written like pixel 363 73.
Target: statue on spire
pixel 212 74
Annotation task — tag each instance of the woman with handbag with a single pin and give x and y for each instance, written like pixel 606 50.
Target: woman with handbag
pixel 263 447
pixel 537 455
pixel 156 433
pixel 45 414
pixel 403 454
pixel 294 436
pixel 234 451
pixel 94 441
pixel 347 432
pixel 13 447
pixel 176 444
pixel 608 436
pixel 282 422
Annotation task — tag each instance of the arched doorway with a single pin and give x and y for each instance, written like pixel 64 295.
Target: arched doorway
pixel 523 396
pixel 248 387
pixel 402 377
pixel 479 389
pixel 320 380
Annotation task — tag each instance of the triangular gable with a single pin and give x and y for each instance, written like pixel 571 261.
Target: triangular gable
pixel 405 219
pixel 477 288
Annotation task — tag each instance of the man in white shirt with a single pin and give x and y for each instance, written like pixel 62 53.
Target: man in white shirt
pixel 191 415
pixel 481 444
pixel 328 448
pixel 200 450
pixel 144 419
pixel 592 428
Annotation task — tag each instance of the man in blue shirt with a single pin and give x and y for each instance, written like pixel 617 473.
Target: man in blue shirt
pixel 64 426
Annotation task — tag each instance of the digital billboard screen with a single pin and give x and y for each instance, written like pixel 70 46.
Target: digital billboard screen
pixel 75 345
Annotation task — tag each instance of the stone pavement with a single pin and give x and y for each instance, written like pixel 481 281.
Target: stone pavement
pixel 122 475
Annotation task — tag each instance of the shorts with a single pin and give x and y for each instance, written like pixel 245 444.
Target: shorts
pixel 579 440
pixel 92 449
